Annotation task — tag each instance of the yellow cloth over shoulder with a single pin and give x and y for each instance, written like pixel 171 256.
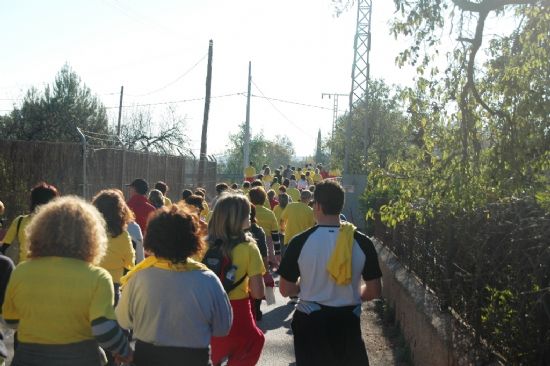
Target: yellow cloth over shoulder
pixel 339 264
pixel 152 261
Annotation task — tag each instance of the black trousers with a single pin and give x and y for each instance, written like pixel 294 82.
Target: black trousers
pixel 148 354
pixel 328 337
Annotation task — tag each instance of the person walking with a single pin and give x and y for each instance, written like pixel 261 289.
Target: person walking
pixel 324 266
pixel 139 203
pixel 268 222
pixel 296 218
pixel 243 345
pixel 41 194
pixel 173 304
pixel 59 301
pixel 120 254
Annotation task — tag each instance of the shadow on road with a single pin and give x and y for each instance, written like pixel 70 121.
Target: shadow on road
pixel 277 318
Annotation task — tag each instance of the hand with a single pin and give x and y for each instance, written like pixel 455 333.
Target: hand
pixel 119 360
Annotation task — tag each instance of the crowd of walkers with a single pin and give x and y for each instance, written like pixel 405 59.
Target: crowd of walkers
pixel 144 281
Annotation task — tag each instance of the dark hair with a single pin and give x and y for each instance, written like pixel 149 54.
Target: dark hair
pixel 252 214
pixel 221 187
pixel 41 194
pixel 283 200
pixel 195 200
pixel 282 189
pixel 246 184
pixel 292 177
pixel 174 233
pixel 186 193
pixel 271 194
pixel 161 186
pixel 199 193
pixel 302 176
pixel 275 180
pixel 256 183
pixel 234 186
pixel 257 195
pixel 259 177
pixel 330 195
pixel 312 188
pixel 116 213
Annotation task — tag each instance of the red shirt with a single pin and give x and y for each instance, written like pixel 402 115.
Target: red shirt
pixel 273 203
pixel 142 209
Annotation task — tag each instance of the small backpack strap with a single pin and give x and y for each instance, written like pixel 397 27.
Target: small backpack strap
pixel 236 284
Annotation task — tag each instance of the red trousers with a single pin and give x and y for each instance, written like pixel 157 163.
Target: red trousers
pixel 243 345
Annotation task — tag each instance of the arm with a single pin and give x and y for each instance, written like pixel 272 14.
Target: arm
pixel 371 290
pixel 288 288
pixel 129 256
pixel 256 286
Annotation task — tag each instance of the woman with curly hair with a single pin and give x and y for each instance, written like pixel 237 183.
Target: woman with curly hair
pixel 59 301
pixel 120 253
pixel 173 303
pixel 243 345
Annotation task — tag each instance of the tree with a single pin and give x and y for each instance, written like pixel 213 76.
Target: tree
pixel 167 135
pixel 54 114
pixel 386 122
pixel 275 152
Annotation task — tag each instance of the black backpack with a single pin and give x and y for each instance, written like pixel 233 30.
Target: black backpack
pixel 222 266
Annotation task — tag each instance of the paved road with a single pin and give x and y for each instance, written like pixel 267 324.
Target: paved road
pixel 278 349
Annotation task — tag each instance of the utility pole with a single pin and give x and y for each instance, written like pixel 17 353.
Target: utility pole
pixel 203 157
pixel 246 152
pixel 120 111
pixel 360 72
pixel 334 97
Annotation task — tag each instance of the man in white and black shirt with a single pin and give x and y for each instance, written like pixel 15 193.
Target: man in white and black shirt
pixel 326 323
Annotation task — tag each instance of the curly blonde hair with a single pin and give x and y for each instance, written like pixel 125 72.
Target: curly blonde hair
pixel 67 227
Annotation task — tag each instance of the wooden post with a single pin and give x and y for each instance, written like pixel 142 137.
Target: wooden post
pixel 202 159
pixel 246 152
pixel 120 111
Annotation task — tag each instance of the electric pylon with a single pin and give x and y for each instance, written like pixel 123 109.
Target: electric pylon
pixel 360 72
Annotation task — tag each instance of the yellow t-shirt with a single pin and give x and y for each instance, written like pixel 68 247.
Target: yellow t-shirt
pixel 275 187
pixel 21 235
pixel 294 193
pixel 249 171
pixel 277 210
pixel 167 201
pixel 265 218
pixel 296 217
pixel 248 260
pixel 317 178
pixel 55 299
pixel 120 255
pixel 267 179
pixel 205 210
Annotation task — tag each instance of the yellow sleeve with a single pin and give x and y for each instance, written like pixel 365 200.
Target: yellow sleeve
pixel 274 223
pixel 129 254
pixel 12 231
pixel 9 312
pixel 103 298
pixel 255 262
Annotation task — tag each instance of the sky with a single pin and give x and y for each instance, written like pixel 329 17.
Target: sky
pixel 157 51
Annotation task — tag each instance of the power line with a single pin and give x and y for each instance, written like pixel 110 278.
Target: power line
pixel 174 81
pixel 175 101
pixel 289 101
pixel 281 113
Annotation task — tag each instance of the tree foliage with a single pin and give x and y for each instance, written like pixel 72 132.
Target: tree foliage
pixel 386 126
pixel 273 152
pixel 54 113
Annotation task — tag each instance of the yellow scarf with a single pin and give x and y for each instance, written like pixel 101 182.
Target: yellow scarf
pixel 339 264
pixel 152 261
